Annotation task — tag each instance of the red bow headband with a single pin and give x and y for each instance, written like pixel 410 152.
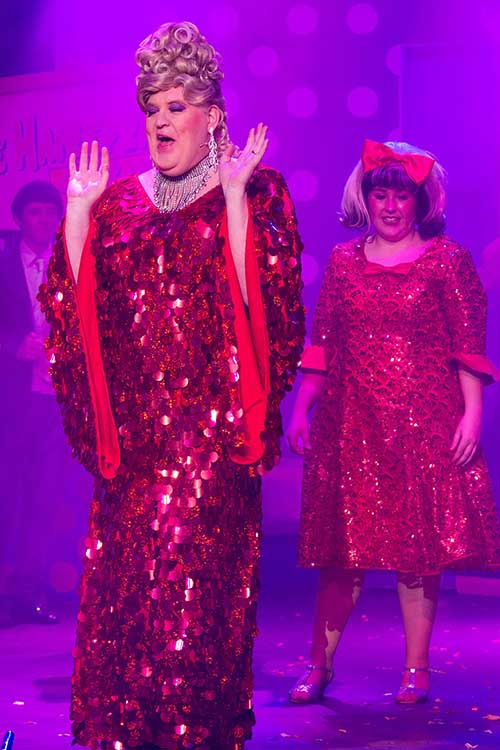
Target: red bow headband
pixel 417 166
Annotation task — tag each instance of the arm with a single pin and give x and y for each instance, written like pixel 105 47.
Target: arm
pixel 316 358
pixel 74 345
pixel 309 392
pixel 234 174
pixel 64 346
pixel 465 308
pixel 85 186
pixel 468 432
pixel 277 250
pixel 472 390
pixel 76 230
pixel 237 225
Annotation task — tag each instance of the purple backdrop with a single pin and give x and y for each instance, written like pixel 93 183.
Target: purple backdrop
pixel 323 75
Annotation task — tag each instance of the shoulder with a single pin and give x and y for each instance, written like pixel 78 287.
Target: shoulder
pixel 451 252
pixel 454 265
pixel 448 246
pixel 267 182
pixel 344 252
pixel 270 202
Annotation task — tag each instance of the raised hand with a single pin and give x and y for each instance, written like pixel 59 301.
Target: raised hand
pixel 236 167
pixel 88 182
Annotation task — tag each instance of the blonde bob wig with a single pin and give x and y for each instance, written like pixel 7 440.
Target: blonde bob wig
pixel 177 54
pixel 430 195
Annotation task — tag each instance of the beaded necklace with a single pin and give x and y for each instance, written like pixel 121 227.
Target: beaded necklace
pixel 173 193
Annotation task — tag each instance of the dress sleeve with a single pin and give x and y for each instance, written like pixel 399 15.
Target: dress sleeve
pixel 275 237
pixel 325 331
pixel 253 351
pixel 465 306
pixel 75 358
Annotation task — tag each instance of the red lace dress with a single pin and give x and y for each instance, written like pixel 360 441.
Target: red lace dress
pixel 152 373
pixel 380 489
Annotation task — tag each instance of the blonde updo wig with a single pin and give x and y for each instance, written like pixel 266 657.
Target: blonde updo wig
pixel 430 195
pixel 177 54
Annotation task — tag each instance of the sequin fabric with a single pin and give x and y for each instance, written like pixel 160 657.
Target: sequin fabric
pixel 380 489
pixel 168 595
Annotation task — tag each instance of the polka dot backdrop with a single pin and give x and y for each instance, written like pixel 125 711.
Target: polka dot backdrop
pixel 263 61
pixel 302 102
pixel 362 101
pixel 223 20
pixel 323 75
pixel 302 19
pixel 362 18
pixel 303 185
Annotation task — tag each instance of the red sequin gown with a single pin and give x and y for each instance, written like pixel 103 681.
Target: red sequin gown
pixel 380 489
pixel 168 595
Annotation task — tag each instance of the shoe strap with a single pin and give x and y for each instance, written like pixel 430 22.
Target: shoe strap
pixel 413 674
pixel 416 669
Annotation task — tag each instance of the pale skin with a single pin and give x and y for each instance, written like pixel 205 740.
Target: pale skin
pixel 177 134
pixel 395 240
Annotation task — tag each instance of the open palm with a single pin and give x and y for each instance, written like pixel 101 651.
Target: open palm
pixel 88 182
pixel 236 167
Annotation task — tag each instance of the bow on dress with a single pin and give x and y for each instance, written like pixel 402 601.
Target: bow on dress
pixel 417 166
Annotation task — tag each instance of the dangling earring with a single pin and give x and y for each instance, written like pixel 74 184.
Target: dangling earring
pixel 213 154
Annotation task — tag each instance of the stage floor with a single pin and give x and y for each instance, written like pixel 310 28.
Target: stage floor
pixel 358 712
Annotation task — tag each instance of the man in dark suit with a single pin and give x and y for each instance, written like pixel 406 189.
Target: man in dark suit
pixel 31 441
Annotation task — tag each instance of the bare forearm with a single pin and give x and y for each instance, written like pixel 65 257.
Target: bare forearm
pixel 76 228
pixel 472 390
pixel 237 223
pixel 309 392
pixel 85 187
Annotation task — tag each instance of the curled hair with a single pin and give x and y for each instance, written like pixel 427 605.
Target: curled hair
pixel 430 195
pixel 177 54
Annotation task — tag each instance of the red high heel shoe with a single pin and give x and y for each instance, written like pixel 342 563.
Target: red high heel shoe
pixel 305 691
pixel 410 693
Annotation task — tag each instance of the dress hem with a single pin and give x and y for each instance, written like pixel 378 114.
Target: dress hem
pixel 469 563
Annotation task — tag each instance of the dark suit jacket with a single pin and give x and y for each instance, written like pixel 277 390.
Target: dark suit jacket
pixel 16 321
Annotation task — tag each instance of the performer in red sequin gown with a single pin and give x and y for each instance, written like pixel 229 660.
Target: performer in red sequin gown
pixel 394 476
pixel 170 356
